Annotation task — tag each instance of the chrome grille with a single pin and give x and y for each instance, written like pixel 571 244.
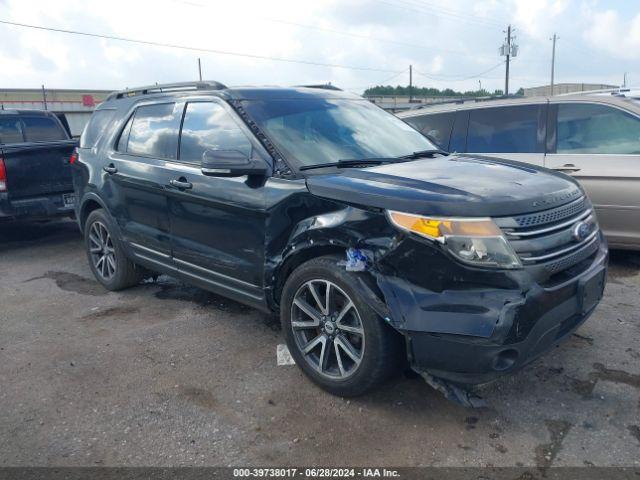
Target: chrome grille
pixel 551 239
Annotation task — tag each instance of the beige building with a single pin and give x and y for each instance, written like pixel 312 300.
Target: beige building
pixel 560 88
pixel 73 107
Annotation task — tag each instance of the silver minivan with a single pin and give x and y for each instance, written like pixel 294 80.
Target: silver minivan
pixel 594 137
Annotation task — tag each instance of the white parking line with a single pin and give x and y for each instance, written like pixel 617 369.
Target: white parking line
pixel 283 355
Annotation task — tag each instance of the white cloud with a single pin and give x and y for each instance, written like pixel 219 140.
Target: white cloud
pixel 446 39
pixel 619 37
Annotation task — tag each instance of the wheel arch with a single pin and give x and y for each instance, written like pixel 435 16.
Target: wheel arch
pixel 89 204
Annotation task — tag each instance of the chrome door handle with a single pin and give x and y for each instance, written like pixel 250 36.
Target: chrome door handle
pixel 568 167
pixel 110 168
pixel 181 184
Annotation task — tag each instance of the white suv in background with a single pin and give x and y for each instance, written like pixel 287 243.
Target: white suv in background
pixel 592 136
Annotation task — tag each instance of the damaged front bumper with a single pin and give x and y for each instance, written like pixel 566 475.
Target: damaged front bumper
pixel 469 335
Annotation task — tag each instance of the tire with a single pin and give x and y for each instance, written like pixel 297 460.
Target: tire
pixel 376 349
pixel 115 271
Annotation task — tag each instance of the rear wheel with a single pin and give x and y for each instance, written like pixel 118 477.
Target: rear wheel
pixel 106 256
pixel 333 335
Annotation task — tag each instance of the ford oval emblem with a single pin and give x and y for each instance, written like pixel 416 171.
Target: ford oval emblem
pixel 581 230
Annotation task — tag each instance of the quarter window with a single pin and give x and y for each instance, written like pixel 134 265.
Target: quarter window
pixel 208 126
pixel 95 128
pixel 504 130
pixel 589 128
pixel 154 131
pixel 436 127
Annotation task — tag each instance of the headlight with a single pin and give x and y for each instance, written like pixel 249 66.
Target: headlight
pixel 477 241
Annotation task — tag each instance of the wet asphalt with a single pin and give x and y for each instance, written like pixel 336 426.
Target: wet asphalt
pixel 165 374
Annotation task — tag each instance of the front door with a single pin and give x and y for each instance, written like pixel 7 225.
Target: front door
pixel 217 223
pixel 599 145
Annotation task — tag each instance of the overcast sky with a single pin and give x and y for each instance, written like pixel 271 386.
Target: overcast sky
pixel 448 42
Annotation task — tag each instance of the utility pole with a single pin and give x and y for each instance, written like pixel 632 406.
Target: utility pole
pixel 508 49
pixel 553 60
pixel 410 83
pixel 480 85
pixel 624 81
pixel 199 69
pixel 44 97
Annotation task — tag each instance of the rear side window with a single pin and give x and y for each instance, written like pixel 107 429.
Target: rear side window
pixel 208 126
pixel 504 130
pixel 42 129
pixel 95 128
pixel 436 127
pixel 585 128
pixel 10 129
pixel 154 131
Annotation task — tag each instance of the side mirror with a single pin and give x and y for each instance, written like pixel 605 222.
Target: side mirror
pixel 230 163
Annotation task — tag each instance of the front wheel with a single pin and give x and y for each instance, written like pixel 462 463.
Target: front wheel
pixel 338 341
pixel 107 259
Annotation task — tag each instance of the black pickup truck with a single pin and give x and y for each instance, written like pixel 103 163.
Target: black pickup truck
pixel 35 174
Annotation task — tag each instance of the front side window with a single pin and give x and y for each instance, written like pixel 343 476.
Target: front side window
pixel 10 129
pixel 504 130
pixel 436 127
pixel 42 129
pixel 311 131
pixel 154 131
pixel 590 128
pixel 208 126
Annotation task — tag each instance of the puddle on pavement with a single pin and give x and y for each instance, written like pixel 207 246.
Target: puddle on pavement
pixel 623 264
pixel 71 282
pixel 171 289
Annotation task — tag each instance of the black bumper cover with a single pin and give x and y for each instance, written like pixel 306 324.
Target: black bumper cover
pixel 496 332
pixel 43 206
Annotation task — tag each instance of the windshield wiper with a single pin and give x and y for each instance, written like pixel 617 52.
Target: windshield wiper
pixel 352 163
pixel 424 153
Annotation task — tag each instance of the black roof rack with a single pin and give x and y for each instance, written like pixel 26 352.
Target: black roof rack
pixel 167 87
pixel 323 86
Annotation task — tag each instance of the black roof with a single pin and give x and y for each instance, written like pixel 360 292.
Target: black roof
pixel 11 111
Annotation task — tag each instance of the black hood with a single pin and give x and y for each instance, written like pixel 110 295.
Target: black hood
pixel 452 185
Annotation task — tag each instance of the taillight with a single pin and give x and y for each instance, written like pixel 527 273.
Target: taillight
pixel 3 176
pixel 73 157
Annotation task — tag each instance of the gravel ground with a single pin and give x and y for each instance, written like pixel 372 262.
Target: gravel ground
pixel 166 375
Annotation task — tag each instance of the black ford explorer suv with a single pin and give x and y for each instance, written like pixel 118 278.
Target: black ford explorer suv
pixel 374 247
pixel 35 175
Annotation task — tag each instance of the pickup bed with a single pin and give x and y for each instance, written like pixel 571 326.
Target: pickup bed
pixel 35 170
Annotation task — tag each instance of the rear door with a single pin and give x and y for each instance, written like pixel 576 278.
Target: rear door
pixel 599 145
pixel 218 223
pixel 36 151
pixel 136 174
pixel 515 132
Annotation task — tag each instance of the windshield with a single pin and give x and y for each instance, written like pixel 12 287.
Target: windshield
pixel 321 130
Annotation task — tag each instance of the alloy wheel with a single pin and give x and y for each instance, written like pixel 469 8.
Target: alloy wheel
pixel 101 250
pixel 327 329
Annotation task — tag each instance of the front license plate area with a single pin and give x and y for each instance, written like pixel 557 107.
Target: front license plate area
pixel 69 199
pixel 590 290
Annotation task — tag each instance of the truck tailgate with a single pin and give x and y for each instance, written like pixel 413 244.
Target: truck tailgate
pixel 38 168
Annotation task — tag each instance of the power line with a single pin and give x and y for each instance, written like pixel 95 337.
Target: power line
pixel 460 13
pixel 381 82
pixel 338 32
pixel 425 11
pixel 456 78
pixel 197 49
